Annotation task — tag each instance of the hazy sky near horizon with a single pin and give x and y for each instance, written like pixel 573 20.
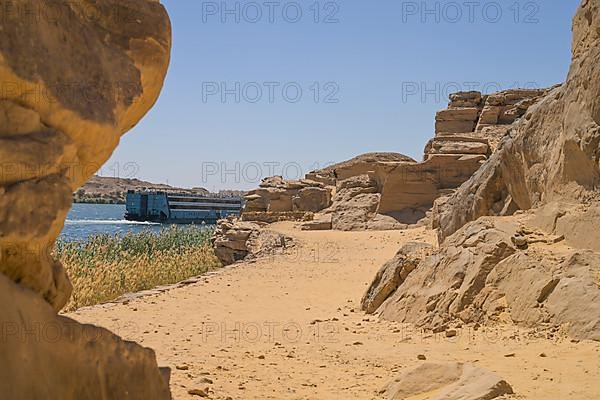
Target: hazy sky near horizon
pixel 268 87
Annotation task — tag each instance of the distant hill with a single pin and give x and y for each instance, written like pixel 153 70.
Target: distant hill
pixel 106 190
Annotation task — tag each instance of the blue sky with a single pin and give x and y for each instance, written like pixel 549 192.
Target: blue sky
pixel 371 77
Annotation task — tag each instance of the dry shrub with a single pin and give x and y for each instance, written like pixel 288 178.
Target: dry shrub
pixel 105 267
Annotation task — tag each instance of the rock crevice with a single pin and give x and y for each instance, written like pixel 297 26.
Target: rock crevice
pixel 519 238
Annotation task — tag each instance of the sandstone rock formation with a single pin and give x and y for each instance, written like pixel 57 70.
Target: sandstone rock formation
pixel 236 240
pixel 302 200
pixel 398 191
pixel 466 136
pixel 393 274
pixel 72 85
pixel 471 116
pixel 499 270
pixel 355 203
pixel 45 356
pixel 276 195
pixel 230 239
pixel 536 268
pixel 551 154
pixel 377 163
pixel 403 190
pixel 452 381
pixel 69 102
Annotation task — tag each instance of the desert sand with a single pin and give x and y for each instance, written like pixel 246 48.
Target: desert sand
pixel 289 327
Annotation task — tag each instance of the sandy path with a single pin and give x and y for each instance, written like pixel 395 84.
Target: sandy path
pixel 289 328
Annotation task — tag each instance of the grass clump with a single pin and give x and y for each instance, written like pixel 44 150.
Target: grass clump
pixel 107 266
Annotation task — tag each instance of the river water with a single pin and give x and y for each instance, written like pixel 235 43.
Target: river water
pixel 89 219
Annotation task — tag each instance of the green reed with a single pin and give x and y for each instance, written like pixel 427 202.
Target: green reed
pixel 107 266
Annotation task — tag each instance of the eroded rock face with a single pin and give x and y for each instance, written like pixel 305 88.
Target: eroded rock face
pixel 45 356
pixel 393 274
pixel 443 286
pixel 72 85
pixel 472 115
pixel 74 79
pixel 545 288
pixel 415 187
pixel 401 191
pixel 552 152
pixel 499 270
pixel 453 381
pixel 355 203
pixel 467 134
pixel 491 269
pixel 276 195
pixel 236 240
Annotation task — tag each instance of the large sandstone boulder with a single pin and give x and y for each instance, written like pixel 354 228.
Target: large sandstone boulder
pixel 45 356
pixel 443 286
pixel 235 240
pixel 552 152
pixel 355 203
pixel 393 274
pixel 72 87
pixel 453 381
pixel 277 195
pixel 72 84
pixel 229 240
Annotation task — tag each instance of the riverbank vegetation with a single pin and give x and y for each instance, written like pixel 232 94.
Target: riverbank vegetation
pixel 105 267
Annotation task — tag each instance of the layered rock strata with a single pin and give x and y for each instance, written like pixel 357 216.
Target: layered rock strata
pixel 71 86
pixel 551 154
pixel 399 191
pixel 497 271
pixel 536 268
pixel 276 195
pixel 235 240
pixel 466 136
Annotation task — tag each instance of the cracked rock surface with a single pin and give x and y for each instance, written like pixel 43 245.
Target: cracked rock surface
pixel 72 85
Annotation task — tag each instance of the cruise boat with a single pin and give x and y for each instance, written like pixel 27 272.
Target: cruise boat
pixel 174 208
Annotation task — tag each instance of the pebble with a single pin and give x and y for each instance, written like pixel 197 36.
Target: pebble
pixel 451 333
pixel 198 392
